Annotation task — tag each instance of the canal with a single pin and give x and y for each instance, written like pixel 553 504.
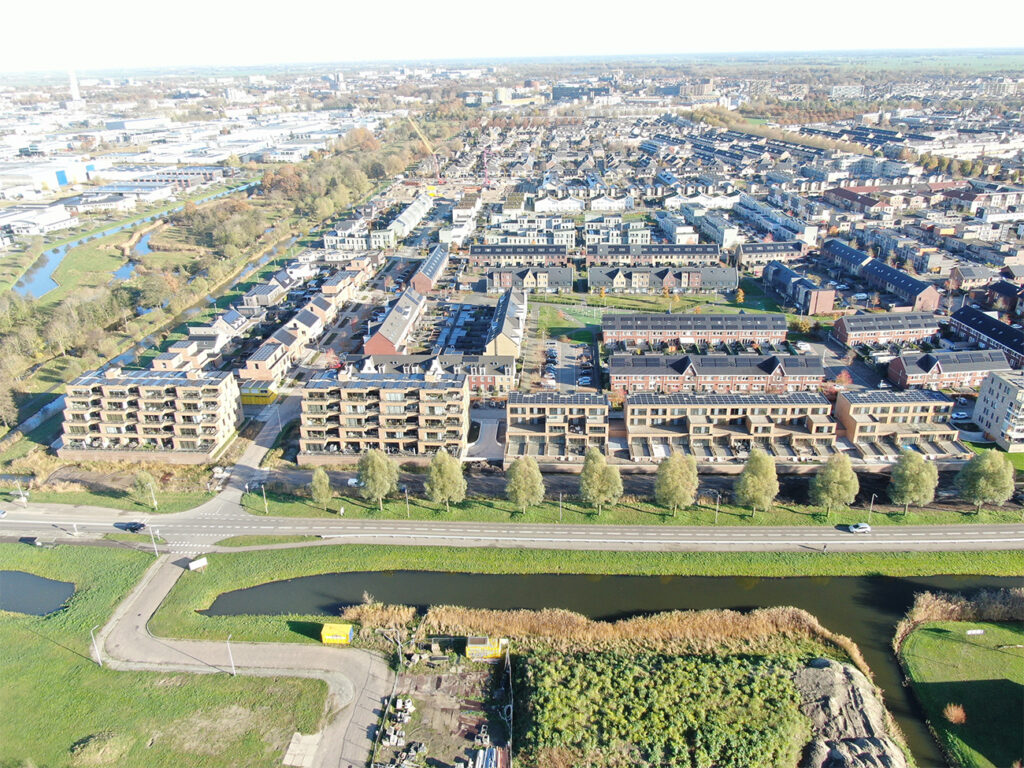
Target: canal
pixel 865 609
pixel 22 592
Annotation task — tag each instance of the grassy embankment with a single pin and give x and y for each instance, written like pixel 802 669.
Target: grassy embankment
pixel 55 696
pixel 981 674
pixel 177 617
pixel 167 501
pixel 627 512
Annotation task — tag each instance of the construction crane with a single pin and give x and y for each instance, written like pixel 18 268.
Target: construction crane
pixel 430 149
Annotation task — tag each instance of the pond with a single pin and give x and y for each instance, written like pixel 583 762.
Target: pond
pixel 22 592
pixel 865 609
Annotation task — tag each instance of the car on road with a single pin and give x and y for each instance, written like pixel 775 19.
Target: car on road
pixel 960 415
pixel 354 482
pixel 135 527
pixel 3 514
pixel 859 528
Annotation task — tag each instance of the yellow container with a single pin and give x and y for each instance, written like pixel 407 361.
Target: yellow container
pixel 336 634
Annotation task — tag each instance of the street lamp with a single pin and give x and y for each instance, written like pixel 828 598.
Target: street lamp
pixel 718 499
pixel 871 507
pixel 231 657
pixel 95 647
pixel 152 493
pixel 266 510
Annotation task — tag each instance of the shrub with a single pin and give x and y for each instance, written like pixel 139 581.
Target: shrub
pixel 954 713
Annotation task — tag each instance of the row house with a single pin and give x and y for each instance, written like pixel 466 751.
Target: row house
pixel 536 279
pixel 629 374
pixel 884 328
pixel 182 417
pixel 486 256
pixel 430 270
pixel 656 254
pixel 967 277
pixel 705 425
pixel 881 423
pixel 946 369
pixel 798 290
pixel 673 329
pixel 392 336
pixel 989 332
pixel 754 257
pixel 552 426
pixel 662 279
pixel 1004 296
pixel 917 294
pixel 507 330
pixel 346 413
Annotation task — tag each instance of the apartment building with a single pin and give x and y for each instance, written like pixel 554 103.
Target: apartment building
pixel 392 337
pixel 345 413
pixel 946 369
pixel 430 270
pixel 552 426
pixel 720 426
pixel 723 374
pixel 754 257
pixel 807 296
pixel 181 417
pixel 673 329
pixel 484 373
pixel 656 254
pixel 518 256
pixel 883 328
pixel 987 331
pixel 662 279
pixel 537 279
pixel 881 423
pixel 1000 409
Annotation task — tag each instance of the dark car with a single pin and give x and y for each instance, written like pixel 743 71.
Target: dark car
pixel 135 527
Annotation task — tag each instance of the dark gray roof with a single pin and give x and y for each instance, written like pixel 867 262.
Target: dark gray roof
pixel 556 398
pixel 882 396
pixel 886 321
pixel 503 250
pixel 711 365
pixel 899 281
pixel 402 317
pixel 954 362
pixel 692 322
pixel 782 247
pixel 686 398
pixel 988 326
pixel 653 249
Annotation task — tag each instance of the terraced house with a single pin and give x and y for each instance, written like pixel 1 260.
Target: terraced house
pixel 181 417
pixel 724 374
pixel 725 426
pixel 555 427
pixel 649 328
pixel 880 424
pixel 945 370
pixel 662 279
pixel 652 255
pixel 345 413
pixel 988 331
pixel 883 328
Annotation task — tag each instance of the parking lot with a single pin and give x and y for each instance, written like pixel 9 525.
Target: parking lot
pixel 568 366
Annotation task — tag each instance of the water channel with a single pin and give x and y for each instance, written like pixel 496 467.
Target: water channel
pixel 22 592
pixel 38 280
pixel 865 609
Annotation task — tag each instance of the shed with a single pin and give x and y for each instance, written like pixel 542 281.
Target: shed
pixel 336 634
pixel 484 648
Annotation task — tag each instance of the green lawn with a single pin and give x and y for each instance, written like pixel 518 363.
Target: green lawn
pixel 167 501
pixel 236 570
pixel 55 696
pixel 39 438
pixel 1017 459
pixel 626 512
pixel 258 541
pixel 89 265
pixel 985 675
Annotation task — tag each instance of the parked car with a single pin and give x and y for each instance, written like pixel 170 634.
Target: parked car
pixel 859 528
pixel 583 381
pixel 960 415
pixel 860 297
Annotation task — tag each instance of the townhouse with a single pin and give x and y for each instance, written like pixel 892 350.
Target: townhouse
pixel 808 297
pixel 656 254
pixel 552 426
pixel 493 374
pixel 883 328
pixel 754 257
pixel 946 369
pixel 632 329
pixel 662 279
pixel 507 331
pixel 881 423
pixel 918 294
pixel 629 374
pixel 527 279
pixel 988 332
pixel 181 416
pixel 518 255
pixel 392 336
pixel 345 413
pixel 967 277
pixel 710 426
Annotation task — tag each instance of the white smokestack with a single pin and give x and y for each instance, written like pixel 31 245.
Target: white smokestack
pixel 73 82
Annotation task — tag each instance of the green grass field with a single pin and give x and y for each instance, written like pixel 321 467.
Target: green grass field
pixel 177 616
pixel 984 674
pixel 55 696
pixel 167 501
pixel 629 511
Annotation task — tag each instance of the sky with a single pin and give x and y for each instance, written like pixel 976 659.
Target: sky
pixel 106 34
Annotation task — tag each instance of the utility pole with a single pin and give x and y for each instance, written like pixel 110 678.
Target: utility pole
pixel 718 499
pixel 152 540
pixel 559 506
pixel 407 514
pixel 231 657
pixel 871 507
pixel 263 488
pixel 152 493
pixel 96 648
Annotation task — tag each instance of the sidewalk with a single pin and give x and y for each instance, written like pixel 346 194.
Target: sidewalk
pixel 358 681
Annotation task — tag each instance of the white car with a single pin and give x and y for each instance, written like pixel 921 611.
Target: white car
pixel 3 514
pixel 583 381
pixel 860 297
pixel 355 482
pixel 859 528
pixel 960 415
